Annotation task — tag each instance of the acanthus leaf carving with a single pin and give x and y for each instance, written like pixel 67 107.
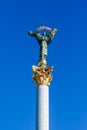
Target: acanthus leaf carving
pixel 42 75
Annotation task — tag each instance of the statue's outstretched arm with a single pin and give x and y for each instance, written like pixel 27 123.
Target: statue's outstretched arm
pixel 52 34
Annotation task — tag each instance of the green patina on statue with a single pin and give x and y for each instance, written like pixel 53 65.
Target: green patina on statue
pixel 43 39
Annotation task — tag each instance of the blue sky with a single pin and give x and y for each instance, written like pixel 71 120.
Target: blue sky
pixel 67 53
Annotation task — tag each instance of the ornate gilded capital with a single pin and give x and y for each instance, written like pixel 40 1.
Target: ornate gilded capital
pixel 42 75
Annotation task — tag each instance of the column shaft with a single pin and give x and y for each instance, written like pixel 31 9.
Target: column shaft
pixel 42 107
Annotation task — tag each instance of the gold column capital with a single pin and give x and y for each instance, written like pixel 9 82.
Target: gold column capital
pixel 42 75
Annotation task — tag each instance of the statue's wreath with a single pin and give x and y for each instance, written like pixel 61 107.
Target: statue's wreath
pixel 43 28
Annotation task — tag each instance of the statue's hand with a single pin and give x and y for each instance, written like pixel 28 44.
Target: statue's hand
pixel 31 33
pixel 54 31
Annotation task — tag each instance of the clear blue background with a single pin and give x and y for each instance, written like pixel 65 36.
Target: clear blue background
pixel 67 53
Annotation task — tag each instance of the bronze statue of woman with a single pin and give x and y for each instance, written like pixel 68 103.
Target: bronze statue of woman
pixel 43 39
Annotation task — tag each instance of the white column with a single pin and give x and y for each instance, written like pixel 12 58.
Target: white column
pixel 42 107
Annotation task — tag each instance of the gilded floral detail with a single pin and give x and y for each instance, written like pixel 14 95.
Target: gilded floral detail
pixel 42 75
